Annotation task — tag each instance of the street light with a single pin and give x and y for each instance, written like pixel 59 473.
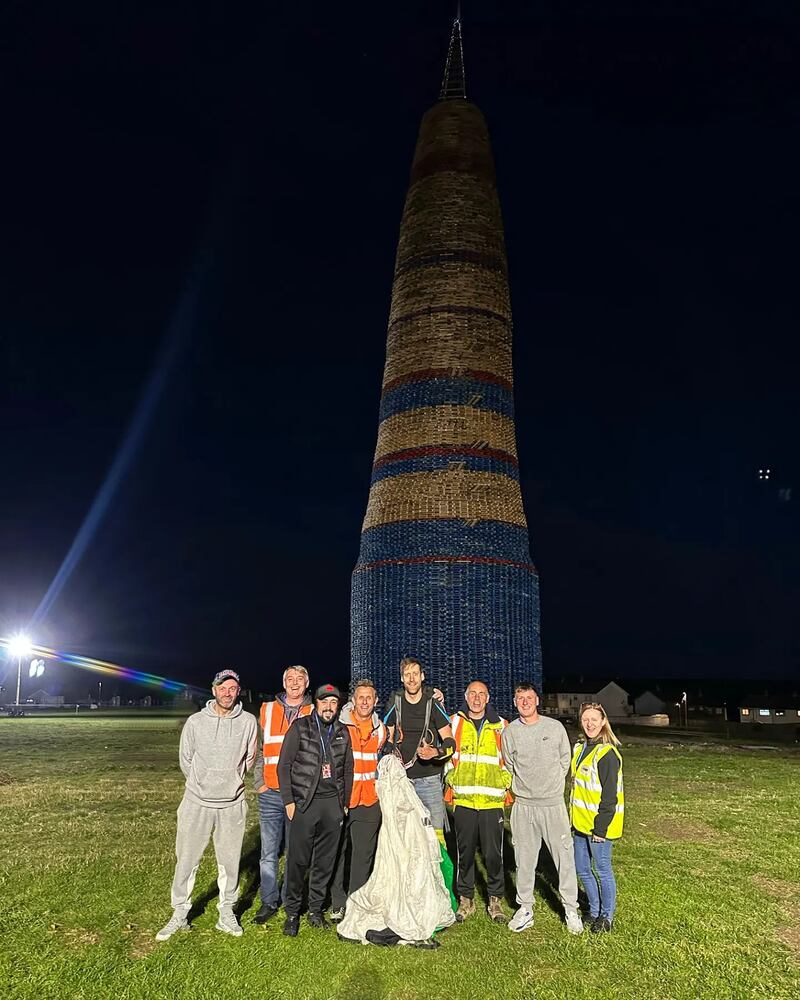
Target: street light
pixel 19 645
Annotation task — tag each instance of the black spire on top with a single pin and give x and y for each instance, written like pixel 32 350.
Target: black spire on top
pixel 454 84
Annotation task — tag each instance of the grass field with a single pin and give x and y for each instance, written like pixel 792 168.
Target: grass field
pixel 708 874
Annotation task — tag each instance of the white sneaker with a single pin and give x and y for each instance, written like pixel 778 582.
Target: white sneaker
pixel 228 923
pixel 522 919
pixel 177 922
pixel 574 923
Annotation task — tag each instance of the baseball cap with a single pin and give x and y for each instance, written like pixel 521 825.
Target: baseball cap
pixel 225 675
pixel 327 691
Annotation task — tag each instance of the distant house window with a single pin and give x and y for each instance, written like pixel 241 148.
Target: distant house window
pixel 746 711
pixel 763 711
pixel 718 711
pixel 779 713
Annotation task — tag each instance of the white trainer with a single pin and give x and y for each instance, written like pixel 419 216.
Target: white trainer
pixel 574 923
pixel 177 922
pixel 522 919
pixel 228 923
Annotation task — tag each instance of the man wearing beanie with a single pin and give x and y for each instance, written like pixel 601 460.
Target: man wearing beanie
pixel 315 773
pixel 218 745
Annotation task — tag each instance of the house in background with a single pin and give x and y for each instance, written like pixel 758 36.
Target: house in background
pixel 615 700
pixel 42 697
pixel 565 702
pixel 648 703
pixel 770 709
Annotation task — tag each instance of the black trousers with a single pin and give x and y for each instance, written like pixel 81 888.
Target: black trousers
pixel 486 826
pixel 361 834
pixel 314 841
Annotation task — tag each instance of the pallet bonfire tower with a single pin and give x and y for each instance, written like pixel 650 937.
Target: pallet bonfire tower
pixel 444 571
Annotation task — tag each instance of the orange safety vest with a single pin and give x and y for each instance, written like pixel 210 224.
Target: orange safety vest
pixel 365 763
pixel 273 726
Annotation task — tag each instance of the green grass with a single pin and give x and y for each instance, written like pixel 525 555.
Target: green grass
pixel 708 875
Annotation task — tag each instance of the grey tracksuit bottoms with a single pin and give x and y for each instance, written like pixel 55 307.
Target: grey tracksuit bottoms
pixel 196 824
pixel 530 825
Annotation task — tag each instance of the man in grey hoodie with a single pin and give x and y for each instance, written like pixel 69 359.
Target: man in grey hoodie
pixel 218 745
pixel 537 753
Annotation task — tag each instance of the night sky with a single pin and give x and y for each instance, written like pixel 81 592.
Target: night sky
pixel 200 211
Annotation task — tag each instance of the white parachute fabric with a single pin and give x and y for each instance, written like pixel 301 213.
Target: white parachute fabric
pixel 406 891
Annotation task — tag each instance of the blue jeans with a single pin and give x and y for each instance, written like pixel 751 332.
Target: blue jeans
pixel 429 791
pixel 602 899
pixel 274 829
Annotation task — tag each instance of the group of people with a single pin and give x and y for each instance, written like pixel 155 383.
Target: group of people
pixel 318 783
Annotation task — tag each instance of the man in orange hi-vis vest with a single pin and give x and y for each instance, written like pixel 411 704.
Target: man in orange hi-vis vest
pixel 367 736
pixel 274 720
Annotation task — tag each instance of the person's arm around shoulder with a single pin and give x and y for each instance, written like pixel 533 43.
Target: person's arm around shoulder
pixel 186 751
pixel 291 742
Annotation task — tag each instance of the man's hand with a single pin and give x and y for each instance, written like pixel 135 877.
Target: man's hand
pixel 427 752
pixel 438 696
pixel 598 840
pixel 262 789
pixel 290 810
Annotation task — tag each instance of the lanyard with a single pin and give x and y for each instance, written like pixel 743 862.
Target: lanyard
pixel 321 740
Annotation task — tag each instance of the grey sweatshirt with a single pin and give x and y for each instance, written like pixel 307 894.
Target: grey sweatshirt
pixel 538 755
pixel 215 752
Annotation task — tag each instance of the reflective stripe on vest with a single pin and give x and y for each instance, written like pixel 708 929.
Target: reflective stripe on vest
pixel 365 764
pixel 479 778
pixel 273 727
pixel 587 790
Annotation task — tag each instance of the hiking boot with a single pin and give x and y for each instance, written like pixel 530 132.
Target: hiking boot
pixel 495 910
pixel 574 922
pixel 266 911
pixel 177 922
pixel 318 920
pixel 600 925
pixel 337 915
pixel 227 923
pixel 291 926
pixel 522 919
pixel 466 907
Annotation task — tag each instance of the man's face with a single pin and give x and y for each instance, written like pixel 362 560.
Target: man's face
pixel 413 677
pixel 295 684
pixel 365 700
pixel 477 695
pixel 527 703
pixel 327 708
pixel 226 693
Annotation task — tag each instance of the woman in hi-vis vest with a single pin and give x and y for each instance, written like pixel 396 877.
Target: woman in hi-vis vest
pixel 597 809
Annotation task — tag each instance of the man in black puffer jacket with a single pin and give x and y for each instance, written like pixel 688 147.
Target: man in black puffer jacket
pixel 315 774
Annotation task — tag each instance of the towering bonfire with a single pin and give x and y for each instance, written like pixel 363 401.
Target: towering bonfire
pixel 444 573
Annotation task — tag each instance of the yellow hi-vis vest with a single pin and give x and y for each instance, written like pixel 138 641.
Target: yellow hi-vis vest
pixel 476 775
pixel 584 803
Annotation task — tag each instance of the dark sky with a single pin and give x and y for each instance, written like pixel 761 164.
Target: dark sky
pixel 211 193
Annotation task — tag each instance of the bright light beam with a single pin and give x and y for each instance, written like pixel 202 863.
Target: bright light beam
pixel 106 668
pixel 183 321
pixel 180 326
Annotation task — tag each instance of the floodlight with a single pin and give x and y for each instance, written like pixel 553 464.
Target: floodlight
pixel 19 645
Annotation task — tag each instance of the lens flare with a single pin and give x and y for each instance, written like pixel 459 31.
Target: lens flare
pixel 104 667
